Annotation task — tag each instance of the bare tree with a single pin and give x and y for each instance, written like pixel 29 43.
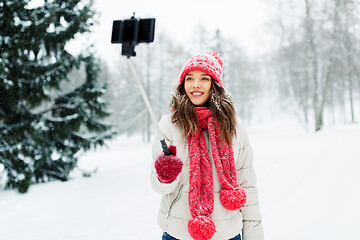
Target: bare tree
pixel 316 55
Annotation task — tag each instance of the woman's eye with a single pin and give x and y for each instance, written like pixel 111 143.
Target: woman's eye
pixel 188 79
pixel 206 79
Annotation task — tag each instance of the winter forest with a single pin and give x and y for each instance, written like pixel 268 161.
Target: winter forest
pixel 310 72
pixel 63 100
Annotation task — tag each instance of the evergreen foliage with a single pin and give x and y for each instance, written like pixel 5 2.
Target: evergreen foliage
pixel 43 129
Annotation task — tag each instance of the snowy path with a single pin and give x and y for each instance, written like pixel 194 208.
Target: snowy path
pixel 308 183
pixel 116 203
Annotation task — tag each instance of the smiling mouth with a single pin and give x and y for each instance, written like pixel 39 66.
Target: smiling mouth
pixel 197 93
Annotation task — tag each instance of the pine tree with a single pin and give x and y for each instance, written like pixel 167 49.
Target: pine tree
pixel 42 134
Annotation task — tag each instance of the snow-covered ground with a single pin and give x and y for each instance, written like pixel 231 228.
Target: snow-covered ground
pixel 309 185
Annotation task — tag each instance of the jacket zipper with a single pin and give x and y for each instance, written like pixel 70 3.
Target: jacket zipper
pixel 174 201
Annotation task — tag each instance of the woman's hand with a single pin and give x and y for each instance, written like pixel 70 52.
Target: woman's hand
pixel 168 167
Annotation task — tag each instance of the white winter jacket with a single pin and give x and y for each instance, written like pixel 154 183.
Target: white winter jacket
pixel 174 212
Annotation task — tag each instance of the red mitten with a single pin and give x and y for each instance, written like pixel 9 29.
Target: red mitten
pixel 168 167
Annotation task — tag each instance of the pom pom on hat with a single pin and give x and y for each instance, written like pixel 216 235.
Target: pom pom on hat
pixel 210 62
pixel 201 228
pixel 217 57
pixel 233 199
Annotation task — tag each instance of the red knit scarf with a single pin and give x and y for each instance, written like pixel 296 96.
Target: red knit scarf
pixel 201 190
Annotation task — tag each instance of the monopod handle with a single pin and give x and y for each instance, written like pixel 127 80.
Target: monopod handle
pixel 148 106
pixel 164 147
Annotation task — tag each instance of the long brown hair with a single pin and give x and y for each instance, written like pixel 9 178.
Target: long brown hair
pixel 220 104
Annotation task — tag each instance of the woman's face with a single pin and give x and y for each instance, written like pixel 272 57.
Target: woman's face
pixel 197 87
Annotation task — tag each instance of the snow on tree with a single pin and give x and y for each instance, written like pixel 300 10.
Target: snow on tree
pixel 314 62
pixel 42 134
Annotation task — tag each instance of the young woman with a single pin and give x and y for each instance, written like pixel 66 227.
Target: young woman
pixel 208 181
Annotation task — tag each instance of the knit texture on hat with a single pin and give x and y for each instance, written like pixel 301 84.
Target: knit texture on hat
pixel 201 189
pixel 210 62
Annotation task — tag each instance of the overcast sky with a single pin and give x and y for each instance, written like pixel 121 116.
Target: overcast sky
pixel 239 19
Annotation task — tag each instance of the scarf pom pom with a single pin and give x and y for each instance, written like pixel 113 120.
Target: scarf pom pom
pixel 233 199
pixel 201 228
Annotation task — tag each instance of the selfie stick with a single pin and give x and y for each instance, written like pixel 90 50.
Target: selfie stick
pixel 148 106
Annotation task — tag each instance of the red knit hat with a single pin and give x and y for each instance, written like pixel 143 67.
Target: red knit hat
pixel 210 62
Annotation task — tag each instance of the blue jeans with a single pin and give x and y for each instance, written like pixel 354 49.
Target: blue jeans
pixel 168 237
pixel 237 237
